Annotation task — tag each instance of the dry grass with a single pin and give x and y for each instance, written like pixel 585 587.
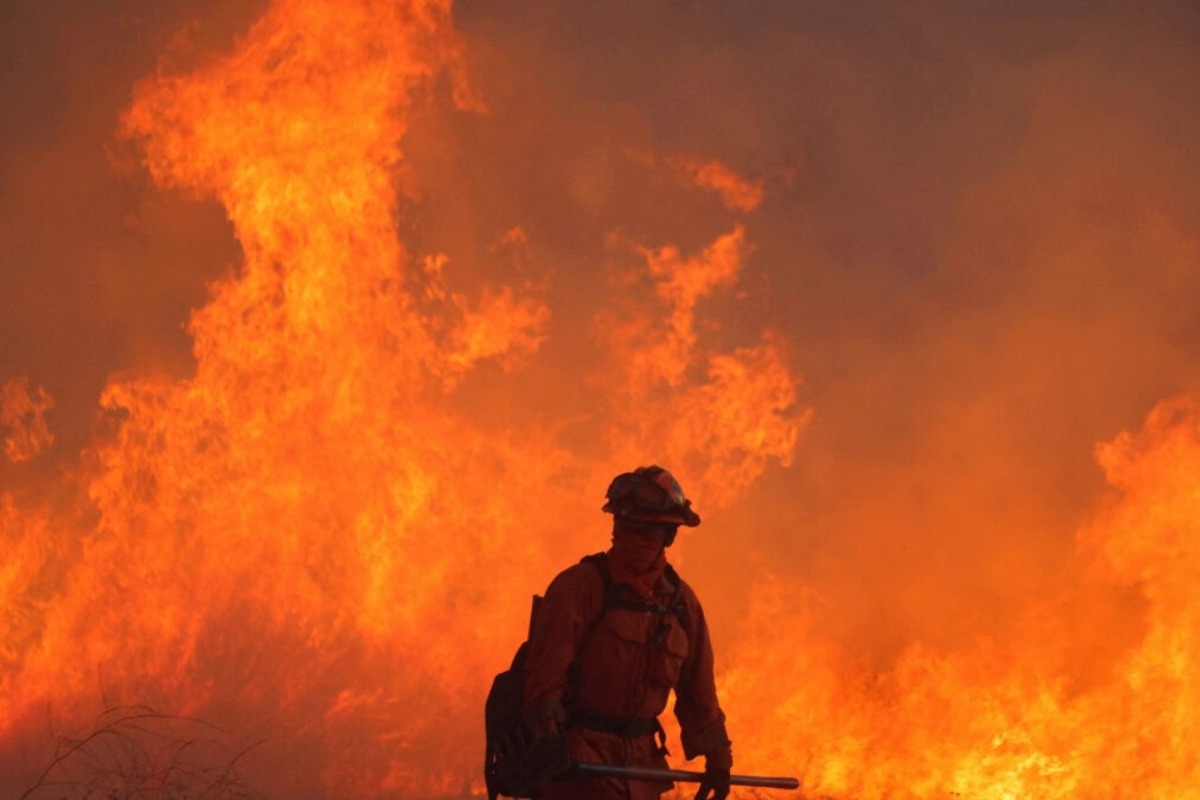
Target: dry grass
pixel 136 753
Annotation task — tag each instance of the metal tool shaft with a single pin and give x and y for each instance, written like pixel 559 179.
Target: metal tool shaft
pixel 682 776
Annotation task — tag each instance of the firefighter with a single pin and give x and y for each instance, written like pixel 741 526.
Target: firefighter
pixel 614 635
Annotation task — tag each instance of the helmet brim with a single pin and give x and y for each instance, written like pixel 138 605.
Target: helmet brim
pixel 684 516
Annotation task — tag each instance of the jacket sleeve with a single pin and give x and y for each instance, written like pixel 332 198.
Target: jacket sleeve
pixel 701 720
pixel 572 600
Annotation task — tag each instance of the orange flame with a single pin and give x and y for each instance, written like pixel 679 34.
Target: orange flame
pixel 1045 715
pixel 321 540
pixel 309 540
pixel 23 421
pixel 736 193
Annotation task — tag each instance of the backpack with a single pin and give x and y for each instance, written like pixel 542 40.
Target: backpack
pixel 517 762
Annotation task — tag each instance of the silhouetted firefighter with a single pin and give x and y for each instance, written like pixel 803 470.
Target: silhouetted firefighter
pixel 576 716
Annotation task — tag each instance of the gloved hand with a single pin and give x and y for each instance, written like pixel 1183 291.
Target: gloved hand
pixel 547 717
pixel 715 784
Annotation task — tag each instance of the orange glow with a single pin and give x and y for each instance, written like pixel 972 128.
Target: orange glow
pixel 1041 716
pixel 322 539
pixel 305 533
pixel 736 193
pixel 22 419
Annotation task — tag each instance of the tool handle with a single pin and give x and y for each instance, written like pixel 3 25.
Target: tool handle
pixel 682 776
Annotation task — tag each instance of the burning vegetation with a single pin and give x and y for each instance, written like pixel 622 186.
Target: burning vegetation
pixel 291 569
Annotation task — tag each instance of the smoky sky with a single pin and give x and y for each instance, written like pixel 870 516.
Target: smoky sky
pixel 978 239
pixel 99 273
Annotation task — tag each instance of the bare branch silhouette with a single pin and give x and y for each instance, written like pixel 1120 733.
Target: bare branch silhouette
pixel 137 753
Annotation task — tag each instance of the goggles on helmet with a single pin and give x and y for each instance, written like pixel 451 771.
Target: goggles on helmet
pixel 650 494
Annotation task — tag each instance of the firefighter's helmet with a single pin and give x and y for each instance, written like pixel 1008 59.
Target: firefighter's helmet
pixel 650 494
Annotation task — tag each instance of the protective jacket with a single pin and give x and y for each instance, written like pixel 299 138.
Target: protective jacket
pixel 613 665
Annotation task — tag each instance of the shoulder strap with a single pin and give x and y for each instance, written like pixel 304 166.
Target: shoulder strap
pixel 677 606
pixel 614 598
pixel 600 562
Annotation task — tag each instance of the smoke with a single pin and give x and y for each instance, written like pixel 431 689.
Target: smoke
pixel 99 273
pixel 973 232
pixel 977 234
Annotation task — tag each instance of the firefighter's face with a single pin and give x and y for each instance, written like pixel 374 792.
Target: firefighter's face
pixel 658 532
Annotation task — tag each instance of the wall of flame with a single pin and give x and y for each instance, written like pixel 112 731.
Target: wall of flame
pixel 438 331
